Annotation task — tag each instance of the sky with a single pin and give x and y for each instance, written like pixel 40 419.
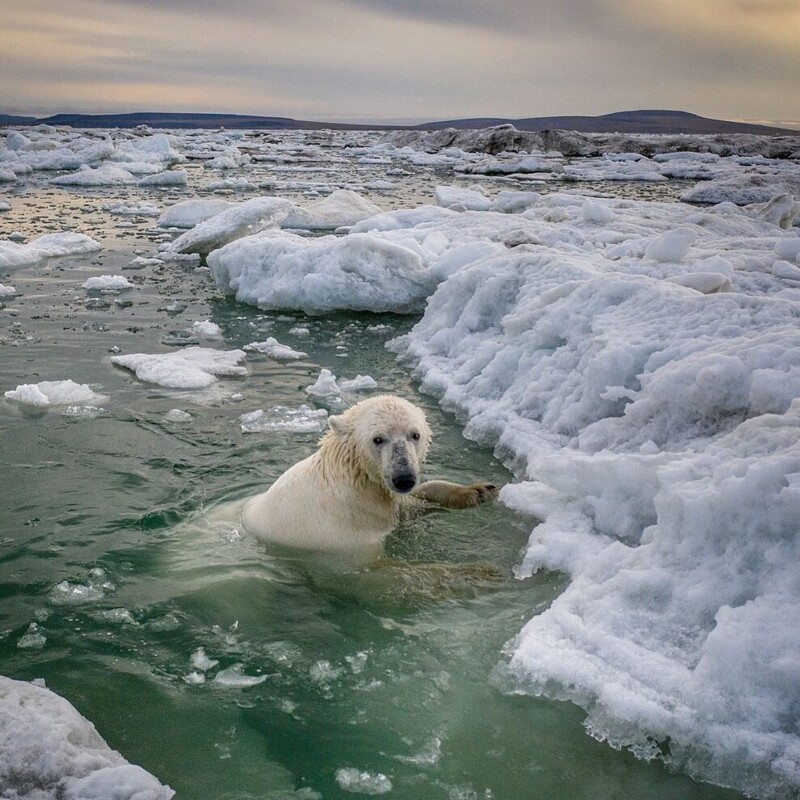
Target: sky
pixel 403 60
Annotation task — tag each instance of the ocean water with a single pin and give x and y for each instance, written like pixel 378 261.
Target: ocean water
pixel 226 670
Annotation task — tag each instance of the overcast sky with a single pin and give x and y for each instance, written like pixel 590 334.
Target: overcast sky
pixel 403 60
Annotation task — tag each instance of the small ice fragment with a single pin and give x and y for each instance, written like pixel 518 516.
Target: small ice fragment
pixel 352 779
pixel 325 385
pixel 178 415
pixel 32 639
pixel 107 283
pixel 199 660
pixel 234 678
pixel 274 349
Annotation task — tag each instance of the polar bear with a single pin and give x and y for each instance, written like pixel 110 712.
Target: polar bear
pixel 349 494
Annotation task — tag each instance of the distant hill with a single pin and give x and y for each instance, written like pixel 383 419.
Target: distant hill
pixel 652 121
pixel 649 121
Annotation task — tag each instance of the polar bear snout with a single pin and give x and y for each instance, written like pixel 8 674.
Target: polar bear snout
pixel 405 482
pixel 402 471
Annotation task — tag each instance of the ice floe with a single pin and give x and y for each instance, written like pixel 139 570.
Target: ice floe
pixel 189 368
pixel 54 393
pixel 50 750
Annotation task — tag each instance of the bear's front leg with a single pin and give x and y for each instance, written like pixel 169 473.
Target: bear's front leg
pixel 455 495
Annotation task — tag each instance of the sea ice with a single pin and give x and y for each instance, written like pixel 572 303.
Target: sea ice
pixel 303 419
pixel 54 393
pixel 241 220
pixel 352 779
pixel 279 270
pixel 189 213
pixel 107 283
pixel 274 349
pixel 47 749
pixel 342 208
pixel 104 175
pixel 189 368
pixel 656 431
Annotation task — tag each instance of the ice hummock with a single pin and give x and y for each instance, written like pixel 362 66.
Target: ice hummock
pixel 280 270
pixel 47 749
pixel 656 432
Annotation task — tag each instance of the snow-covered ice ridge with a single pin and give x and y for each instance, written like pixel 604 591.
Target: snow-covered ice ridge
pixel 507 138
pixel 638 363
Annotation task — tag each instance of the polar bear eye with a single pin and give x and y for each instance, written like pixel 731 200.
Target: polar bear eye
pixel 415 436
pixel 378 440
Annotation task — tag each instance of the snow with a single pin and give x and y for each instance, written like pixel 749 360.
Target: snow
pixel 54 393
pixel 45 743
pixel 190 368
pixel 7 291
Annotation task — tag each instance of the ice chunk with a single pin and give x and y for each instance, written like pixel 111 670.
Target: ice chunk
pixel 206 329
pixel 325 385
pixel 189 213
pixel 107 283
pixel 234 678
pixel 274 349
pixel 190 368
pixel 52 393
pixel 104 175
pixel 459 198
pixel 283 418
pixel 241 220
pixel 48 745
pixel 352 779
pixel 361 272
pixel 171 177
pixel 341 208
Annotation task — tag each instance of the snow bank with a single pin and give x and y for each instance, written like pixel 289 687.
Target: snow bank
pixel 241 220
pixel 190 368
pixel 47 749
pixel 280 270
pixel 656 431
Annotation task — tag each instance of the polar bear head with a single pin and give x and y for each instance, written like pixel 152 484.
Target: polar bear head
pixel 384 438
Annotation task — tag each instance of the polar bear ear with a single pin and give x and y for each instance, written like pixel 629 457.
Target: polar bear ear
pixel 337 425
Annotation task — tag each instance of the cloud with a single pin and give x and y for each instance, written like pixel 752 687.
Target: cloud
pixel 426 59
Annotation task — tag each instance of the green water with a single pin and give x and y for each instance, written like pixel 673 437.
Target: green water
pixel 103 549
